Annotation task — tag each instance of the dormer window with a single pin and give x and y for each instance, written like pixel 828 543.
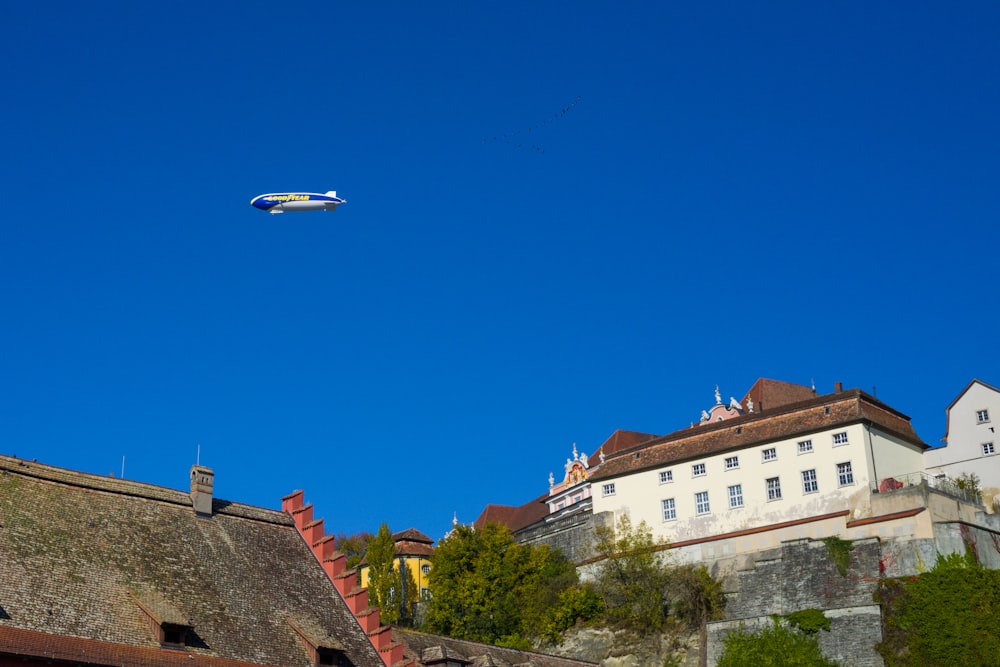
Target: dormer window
pixel 168 624
pixel 173 635
pixel 324 649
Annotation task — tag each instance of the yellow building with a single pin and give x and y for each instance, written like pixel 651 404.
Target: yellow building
pixel 413 551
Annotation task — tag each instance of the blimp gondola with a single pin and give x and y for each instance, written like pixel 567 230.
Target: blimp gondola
pixel 279 202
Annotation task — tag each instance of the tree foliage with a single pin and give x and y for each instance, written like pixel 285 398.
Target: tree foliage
pixel 947 616
pixel 640 586
pixel 631 578
pixel 776 646
pixel 384 583
pixel 485 587
pixel 352 546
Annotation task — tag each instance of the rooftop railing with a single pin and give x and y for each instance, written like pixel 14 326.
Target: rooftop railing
pixel 956 488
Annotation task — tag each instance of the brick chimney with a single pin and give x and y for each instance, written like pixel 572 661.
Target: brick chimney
pixel 838 387
pixel 202 479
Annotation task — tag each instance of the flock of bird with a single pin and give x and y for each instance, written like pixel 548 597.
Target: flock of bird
pixel 517 137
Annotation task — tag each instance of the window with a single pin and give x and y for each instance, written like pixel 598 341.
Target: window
pixel 698 469
pixel 732 462
pixel 425 568
pixel 805 446
pixel 845 475
pixel 669 510
pixel 577 498
pixel 769 454
pixel 773 488
pixel 982 416
pixel 666 476
pixel 561 505
pixel 701 503
pixel 736 496
pixel 809 484
pixel 988 449
pixel 608 489
pixel 840 439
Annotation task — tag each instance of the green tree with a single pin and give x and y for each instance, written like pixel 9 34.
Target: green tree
pixel 485 587
pixel 384 585
pixel 631 579
pixel 947 616
pixel 695 597
pixel 352 546
pixel 776 646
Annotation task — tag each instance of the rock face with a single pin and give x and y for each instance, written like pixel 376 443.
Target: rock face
pixel 621 648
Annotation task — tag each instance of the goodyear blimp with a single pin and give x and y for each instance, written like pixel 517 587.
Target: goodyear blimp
pixel 279 202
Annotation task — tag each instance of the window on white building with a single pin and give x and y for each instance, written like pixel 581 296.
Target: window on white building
pixel 666 476
pixel 805 446
pixel 769 454
pixel 608 489
pixel 701 503
pixel 669 509
pixel 982 416
pixel 698 469
pixel 845 476
pixel 736 496
pixel 840 439
pixel 809 484
pixel 732 462
pixel 988 449
pixel 773 488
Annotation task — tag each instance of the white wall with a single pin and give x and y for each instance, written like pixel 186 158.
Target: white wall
pixel 966 437
pixel 640 495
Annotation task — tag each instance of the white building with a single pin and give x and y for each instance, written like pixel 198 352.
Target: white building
pixel 750 478
pixel 971 440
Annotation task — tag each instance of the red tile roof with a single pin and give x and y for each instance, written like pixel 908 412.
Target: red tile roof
pixel 76 650
pixel 515 518
pixel 789 420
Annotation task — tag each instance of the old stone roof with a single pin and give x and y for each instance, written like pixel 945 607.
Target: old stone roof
pixel 86 562
pixel 427 649
pixel 787 421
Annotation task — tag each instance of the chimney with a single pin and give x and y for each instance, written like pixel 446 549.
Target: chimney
pixel 838 387
pixel 202 479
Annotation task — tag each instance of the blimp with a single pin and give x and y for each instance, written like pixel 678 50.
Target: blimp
pixel 279 202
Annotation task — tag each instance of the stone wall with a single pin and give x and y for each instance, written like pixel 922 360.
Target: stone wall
pixel 802 575
pixel 573 534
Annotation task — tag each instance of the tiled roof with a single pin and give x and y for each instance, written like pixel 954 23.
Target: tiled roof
pixel 411 542
pixel 770 394
pixel 411 535
pixel 427 649
pixel 79 553
pixel 790 420
pixel 515 518
pixel 620 440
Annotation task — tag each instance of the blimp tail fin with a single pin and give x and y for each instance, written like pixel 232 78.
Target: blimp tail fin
pixel 331 193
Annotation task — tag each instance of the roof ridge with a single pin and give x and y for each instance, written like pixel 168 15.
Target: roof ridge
pixel 134 488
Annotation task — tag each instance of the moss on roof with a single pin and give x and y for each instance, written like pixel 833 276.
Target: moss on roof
pixel 77 551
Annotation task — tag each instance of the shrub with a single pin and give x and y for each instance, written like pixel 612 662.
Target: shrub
pixel 777 646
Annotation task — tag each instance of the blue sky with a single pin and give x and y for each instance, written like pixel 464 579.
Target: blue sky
pixel 563 218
